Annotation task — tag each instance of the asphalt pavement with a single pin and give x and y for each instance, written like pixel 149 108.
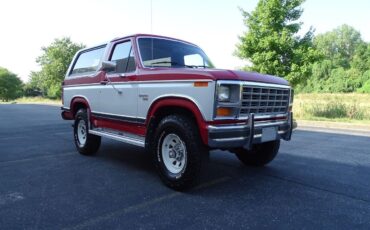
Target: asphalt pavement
pixel 319 180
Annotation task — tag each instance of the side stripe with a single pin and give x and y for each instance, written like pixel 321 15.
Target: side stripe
pixel 119 118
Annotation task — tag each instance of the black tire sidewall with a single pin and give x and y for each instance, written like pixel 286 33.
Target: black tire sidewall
pixel 260 155
pixel 92 142
pixel 186 130
pixel 80 116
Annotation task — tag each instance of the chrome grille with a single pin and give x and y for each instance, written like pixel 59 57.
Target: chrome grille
pixel 264 100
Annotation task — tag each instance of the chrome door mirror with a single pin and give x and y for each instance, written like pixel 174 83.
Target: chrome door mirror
pixel 108 66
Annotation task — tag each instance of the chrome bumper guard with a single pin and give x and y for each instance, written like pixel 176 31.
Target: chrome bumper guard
pixel 249 133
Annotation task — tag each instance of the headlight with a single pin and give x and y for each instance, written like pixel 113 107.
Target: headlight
pixel 224 93
pixel 228 99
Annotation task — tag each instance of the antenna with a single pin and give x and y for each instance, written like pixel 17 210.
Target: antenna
pixel 151 16
pixel 151 28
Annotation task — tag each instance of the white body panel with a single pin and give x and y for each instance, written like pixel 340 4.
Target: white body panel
pixel 115 103
pixel 137 97
pixel 89 92
pixel 202 97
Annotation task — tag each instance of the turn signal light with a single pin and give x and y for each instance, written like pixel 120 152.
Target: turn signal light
pixel 224 112
pixel 200 84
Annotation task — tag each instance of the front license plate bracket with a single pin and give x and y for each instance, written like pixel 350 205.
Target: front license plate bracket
pixel 268 134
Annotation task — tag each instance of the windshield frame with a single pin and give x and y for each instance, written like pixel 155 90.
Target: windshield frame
pixel 206 58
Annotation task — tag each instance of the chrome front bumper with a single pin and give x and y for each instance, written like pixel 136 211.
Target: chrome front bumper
pixel 249 133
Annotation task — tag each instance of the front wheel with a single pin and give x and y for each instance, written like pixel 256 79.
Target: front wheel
pixel 86 143
pixel 260 154
pixel 178 151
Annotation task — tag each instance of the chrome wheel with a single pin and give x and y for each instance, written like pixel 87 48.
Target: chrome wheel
pixel 174 153
pixel 82 132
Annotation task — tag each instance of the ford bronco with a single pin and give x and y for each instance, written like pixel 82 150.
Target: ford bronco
pixel 165 95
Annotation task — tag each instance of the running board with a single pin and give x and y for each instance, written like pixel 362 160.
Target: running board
pixel 119 136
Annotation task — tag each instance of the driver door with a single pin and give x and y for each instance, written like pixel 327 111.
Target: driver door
pixel 118 96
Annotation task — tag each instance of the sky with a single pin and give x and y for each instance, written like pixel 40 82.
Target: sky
pixel 214 25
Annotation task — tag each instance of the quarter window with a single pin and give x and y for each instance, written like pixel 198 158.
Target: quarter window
pixel 123 55
pixel 88 61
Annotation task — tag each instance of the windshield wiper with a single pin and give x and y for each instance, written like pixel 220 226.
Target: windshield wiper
pixel 196 66
pixel 177 64
pixel 166 62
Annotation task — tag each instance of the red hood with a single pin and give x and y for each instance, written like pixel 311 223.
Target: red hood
pixel 219 74
pixel 213 74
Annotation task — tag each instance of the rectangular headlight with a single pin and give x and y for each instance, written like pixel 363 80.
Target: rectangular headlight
pixel 223 93
pixel 228 93
pixel 227 97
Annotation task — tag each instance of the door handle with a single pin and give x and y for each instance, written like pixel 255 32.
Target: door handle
pixel 104 82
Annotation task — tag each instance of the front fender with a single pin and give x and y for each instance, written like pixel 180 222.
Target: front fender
pixel 184 103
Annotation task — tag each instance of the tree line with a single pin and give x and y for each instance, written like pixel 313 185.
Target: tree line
pixel 10 85
pixel 54 62
pixel 337 61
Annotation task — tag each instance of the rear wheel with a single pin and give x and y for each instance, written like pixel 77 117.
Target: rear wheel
pixel 86 144
pixel 260 154
pixel 177 151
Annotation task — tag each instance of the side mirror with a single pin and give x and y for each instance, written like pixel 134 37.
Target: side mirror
pixel 108 66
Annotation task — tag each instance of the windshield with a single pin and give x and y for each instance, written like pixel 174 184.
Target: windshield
pixel 157 52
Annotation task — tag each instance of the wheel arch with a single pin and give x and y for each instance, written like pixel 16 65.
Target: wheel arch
pixel 77 103
pixel 175 105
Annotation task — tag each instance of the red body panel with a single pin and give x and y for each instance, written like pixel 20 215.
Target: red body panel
pixel 96 78
pixel 146 74
pixel 168 74
pixel 67 115
pixel 119 126
pixel 77 100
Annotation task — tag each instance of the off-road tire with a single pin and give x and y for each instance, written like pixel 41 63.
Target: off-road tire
pixel 177 131
pixel 86 144
pixel 260 154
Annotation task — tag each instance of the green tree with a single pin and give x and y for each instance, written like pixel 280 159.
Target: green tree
pixel 54 63
pixel 361 57
pixel 365 83
pixel 346 58
pixel 272 42
pixel 35 86
pixel 365 88
pixel 341 45
pixel 10 85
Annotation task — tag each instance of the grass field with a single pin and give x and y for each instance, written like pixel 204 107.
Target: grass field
pixel 333 107
pixel 35 100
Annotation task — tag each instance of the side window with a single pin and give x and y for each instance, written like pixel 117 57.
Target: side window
pixel 88 61
pixel 123 55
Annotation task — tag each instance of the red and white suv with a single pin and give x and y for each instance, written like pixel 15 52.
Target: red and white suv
pixel 164 94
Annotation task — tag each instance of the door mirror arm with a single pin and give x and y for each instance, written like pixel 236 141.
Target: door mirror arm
pixel 109 66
